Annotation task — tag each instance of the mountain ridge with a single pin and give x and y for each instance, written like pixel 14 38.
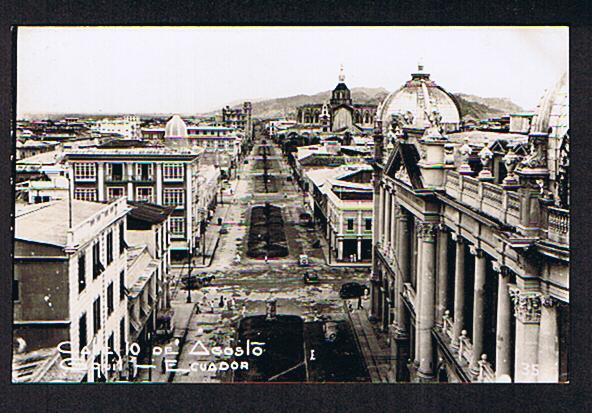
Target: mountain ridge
pixel 472 106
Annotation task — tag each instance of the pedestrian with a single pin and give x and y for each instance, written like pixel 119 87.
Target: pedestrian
pixel 221 303
pixel 197 309
pixel 163 365
pixel 266 259
pixel 350 307
pixel 212 306
pixel 232 303
pixel 229 305
pixel 360 303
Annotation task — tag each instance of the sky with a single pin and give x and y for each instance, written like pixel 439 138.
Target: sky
pixel 200 69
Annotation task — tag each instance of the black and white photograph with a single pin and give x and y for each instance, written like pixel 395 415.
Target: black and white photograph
pixel 283 204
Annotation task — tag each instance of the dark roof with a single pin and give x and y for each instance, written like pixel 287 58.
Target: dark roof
pixel 405 154
pixel 123 143
pixel 341 86
pixel 151 213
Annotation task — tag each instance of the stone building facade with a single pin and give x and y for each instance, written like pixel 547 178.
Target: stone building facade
pixel 339 114
pixel 471 272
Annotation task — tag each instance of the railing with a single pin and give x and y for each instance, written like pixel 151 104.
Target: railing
pixel 489 198
pixel 486 371
pixel 558 225
pixel 409 293
pixel 115 178
pixel 143 178
pixel 465 347
pixel 447 324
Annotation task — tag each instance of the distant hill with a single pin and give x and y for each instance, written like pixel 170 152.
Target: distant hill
pixel 480 108
pixel 471 105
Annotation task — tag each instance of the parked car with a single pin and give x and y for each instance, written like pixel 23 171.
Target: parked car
pixel 310 277
pixel 352 290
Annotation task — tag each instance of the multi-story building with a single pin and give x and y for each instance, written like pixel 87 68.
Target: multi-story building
pixel 342 206
pixel 128 126
pixel 69 271
pixel 339 114
pixel 156 174
pixel 471 262
pixel 239 118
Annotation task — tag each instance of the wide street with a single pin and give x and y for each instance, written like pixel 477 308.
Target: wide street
pixel 249 283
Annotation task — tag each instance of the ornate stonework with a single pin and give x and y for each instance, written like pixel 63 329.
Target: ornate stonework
pixel 527 306
pixel 427 231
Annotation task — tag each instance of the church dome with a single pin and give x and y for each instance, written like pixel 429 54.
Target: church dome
pixel 416 100
pixel 552 113
pixel 175 128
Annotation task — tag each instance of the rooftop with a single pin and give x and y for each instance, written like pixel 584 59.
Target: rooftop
pixel 151 213
pixel 47 223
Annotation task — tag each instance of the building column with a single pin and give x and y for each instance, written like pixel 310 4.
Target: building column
pixel 189 207
pixel 339 249
pixel 359 249
pixel 402 318
pixel 393 230
pixel 418 283
pixel 130 183
pixel 159 183
pixel 548 342
pixel 425 321
pixel 379 215
pixel 459 290
pixel 387 221
pixel 478 308
pixel 503 341
pixel 101 182
pixel 527 310
pixel 442 275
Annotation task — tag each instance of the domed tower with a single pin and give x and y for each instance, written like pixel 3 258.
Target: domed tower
pixel 175 132
pixel 417 102
pixel 549 143
pixel 341 94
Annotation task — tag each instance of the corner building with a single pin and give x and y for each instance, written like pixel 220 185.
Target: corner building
pixel 470 272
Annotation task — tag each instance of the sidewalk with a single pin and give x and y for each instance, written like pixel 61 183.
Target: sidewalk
pixel 372 345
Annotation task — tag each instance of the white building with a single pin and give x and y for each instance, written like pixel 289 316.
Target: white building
pixel 69 274
pixel 128 126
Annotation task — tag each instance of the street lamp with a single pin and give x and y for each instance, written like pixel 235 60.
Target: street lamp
pixel 189 267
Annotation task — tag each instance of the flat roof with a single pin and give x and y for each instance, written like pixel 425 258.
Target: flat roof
pixel 48 223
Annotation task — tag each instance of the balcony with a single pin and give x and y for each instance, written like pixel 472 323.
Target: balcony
pixel 115 178
pixel 558 229
pixel 490 199
pixel 143 178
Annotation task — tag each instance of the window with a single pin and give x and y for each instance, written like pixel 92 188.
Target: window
pixel 85 194
pixel 97 315
pixel 109 248
pixel 110 299
pixel 97 265
pixel 122 285
pixel 174 196
pixel 144 171
pixel 144 194
pixel 122 243
pixel 114 193
pixel 85 171
pixel 82 340
pixel 177 225
pixel 16 296
pixel 81 273
pixel 368 224
pixel 173 171
pixel 115 171
pixel 350 224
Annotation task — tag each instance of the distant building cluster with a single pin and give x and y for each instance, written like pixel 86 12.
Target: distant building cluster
pixel 105 208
